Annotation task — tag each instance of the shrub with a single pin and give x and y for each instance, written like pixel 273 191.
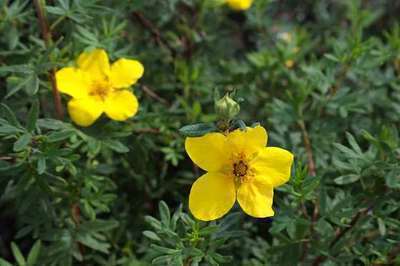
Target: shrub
pixel 320 76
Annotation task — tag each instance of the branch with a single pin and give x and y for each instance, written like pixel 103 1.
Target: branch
pixel 307 146
pixel 154 31
pixel 46 36
pixel 154 95
pixel 318 260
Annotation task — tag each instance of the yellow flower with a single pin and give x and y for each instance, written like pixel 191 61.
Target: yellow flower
pixel 289 63
pixel 239 4
pixel 238 166
pixel 97 87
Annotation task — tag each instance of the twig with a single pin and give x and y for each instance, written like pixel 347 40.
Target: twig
pixel 46 35
pixel 307 145
pixel 147 130
pixel 154 31
pixel 318 260
pixel 339 79
pixel 76 217
pixel 154 95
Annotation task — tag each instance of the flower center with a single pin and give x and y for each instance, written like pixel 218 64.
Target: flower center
pixel 240 169
pixel 100 90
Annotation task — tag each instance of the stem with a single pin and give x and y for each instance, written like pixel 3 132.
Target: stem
pixel 307 145
pixel 46 36
pixel 318 260
pixel 154 31
pixel 154 95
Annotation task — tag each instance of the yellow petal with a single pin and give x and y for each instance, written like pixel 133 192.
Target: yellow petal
pixel 212 196
pixel 249 141
pixel 239 4
pixel 73 82
pixel 209 152
pixel 84 111
pixel 121 104
pixel 255 197
pixel 125 72
pixel 274 163
pixel 95 63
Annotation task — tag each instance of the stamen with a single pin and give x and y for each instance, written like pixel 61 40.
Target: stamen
pixel 240 169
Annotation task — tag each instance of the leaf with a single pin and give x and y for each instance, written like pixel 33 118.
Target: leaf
pixel 32 116
pixel 49 123
pixel 332 57
pixel 9 130
pixel 382 227
pixel 164 213
pixel 9 115
pixel 34 253
pixel 22 142
pixel 60 135
pixel 353 143
pixel 100 225
pixel 87 240
pixel 117 146
pixel 18 255
pixel 4 263
pixel 151 235
pixel 346 179
pixel 197 130
pixel 41 165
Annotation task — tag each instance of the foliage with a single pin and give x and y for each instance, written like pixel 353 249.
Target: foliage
pixel 321 76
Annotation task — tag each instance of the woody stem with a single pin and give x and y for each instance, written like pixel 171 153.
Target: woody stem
pixel 46 36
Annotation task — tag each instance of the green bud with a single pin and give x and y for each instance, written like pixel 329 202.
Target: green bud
pixel 226 107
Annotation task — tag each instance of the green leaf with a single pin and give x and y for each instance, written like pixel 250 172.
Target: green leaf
pixel 88 240
pixel 32 116
pixel 34 253
pixel 197 130
pixel 165 214
pixel 117 146
pixel 18 255
pixel 9 115
pixel 22 142
pixel 382 227
pixel 151 235
pixel 41 165
pixel 346 179
pixel 99 225
pixel 60 135
pixel 9 130
pixel 4 263
pixel 49 123
pixel 332 57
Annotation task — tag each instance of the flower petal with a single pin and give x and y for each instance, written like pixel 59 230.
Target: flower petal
pixel 239 4
pixel 255 197
pixel 274 163
pixel 96 63
pixel 212 196
pixel 84 111
pixel 209 152
pixel 73 82
pixel 125 72
pixel 121 104
pixel 248 141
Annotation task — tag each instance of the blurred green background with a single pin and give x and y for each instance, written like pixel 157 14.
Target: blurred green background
pixel 321 76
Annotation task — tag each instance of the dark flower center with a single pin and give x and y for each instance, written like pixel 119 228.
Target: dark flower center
pixel 239 169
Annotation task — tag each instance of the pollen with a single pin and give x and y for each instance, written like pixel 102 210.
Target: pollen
pixel 99 90
pixel 240 169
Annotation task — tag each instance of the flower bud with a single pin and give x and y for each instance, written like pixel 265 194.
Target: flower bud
pixel 226 107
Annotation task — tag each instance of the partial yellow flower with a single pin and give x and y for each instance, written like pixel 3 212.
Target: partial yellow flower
pixel 96 87
pixel 239 5
pixel 289 63
pixel 238 166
